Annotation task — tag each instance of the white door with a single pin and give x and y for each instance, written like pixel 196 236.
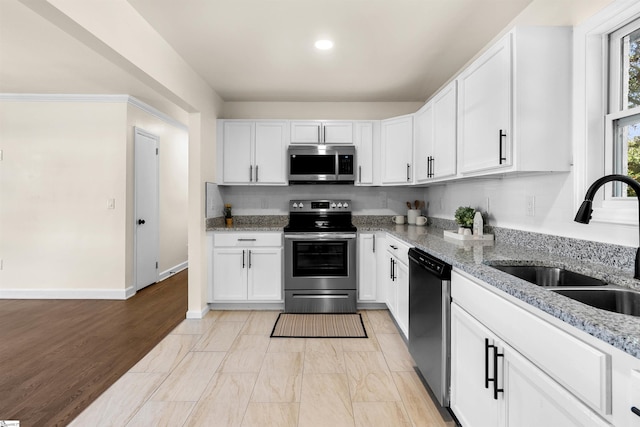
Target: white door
pixel 364 156
pixel 146 210
pixel 367 276
pixel 444 132
pixel 264 270
pixel 397 146
pixel 237 140
pixel 270 153
pixel 230 274
pixel 423 142
pixel 484 111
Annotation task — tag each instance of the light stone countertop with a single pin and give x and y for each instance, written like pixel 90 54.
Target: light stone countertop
pixel 619 330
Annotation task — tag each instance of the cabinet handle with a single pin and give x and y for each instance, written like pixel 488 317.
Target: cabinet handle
pixel 432 169
pixel 393 247
pixel 360 174
pixel 374 243
pixel 493 380
pixel 394 270
pixel 246 240
pixel 250 173
pixel 391 269
pixel 635 410
pixel 249 259
pixel 486 362
pixel 256 173
pixel 428 166
pixel 408 172
pixel 496 390
pixel 501 135
pixel 243 259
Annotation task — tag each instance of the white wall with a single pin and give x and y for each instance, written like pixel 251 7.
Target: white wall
pixel 554 206
pixel 275 200
pixel 62 161
pixel 318 110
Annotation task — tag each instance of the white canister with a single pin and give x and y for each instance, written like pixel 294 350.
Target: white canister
pixel 412 214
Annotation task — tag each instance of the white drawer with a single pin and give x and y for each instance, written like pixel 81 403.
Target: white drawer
pixel 582 369
pixel 398 248
pixel 244 239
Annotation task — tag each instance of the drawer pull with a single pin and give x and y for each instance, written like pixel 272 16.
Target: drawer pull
pixel 246 240
pixel 635 410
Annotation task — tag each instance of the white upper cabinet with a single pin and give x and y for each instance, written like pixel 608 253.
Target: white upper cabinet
pixel 514 101
pixel 365 135
pixel 321 132
pixel 434 127
pixel 253 152
pixel 397 150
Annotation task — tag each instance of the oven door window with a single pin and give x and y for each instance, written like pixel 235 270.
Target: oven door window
pixel 316 164
pixel 320 259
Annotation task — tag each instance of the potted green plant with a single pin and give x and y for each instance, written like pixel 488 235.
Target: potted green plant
pixel 228 217
pixel 464 218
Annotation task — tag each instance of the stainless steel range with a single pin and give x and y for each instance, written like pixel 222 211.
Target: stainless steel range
pixel 320 257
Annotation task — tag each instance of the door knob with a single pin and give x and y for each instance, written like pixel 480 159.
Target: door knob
pixel 141 221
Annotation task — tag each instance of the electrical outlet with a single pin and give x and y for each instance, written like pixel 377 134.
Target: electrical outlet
pixel 264 203
pixel 487 206
pixel 531 206
pixel 1 264
pixel 111 203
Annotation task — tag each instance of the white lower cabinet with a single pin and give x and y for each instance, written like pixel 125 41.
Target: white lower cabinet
pixel 247 267
pixel 368 248
pixel 493 384
pixel 397 282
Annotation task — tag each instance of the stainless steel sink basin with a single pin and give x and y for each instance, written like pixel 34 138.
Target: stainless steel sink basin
pixel 618 300
pixel 549 276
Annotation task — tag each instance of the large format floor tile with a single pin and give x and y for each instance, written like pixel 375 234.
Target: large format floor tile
pixel 225 370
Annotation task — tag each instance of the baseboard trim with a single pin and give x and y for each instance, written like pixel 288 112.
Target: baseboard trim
pixel 246 306
pixel 113 294
pixel 173 270
pixel 195 314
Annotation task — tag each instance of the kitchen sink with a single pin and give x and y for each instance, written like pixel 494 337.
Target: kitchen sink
pixel 549 276
pixel 618 300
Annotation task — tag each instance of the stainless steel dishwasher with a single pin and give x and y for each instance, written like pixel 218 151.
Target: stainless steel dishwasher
pixel 430 320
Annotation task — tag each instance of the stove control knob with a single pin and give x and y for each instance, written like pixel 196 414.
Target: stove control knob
pixel 300 205
pixel 295 205
pixel 339 205
pixel 333 205
pixel 345 205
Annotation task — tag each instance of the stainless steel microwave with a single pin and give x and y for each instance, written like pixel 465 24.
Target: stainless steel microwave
pixel 322 164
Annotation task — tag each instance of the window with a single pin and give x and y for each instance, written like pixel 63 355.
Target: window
pixel 623 120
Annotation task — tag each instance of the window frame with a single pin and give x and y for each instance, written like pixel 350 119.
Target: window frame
pixel 592 120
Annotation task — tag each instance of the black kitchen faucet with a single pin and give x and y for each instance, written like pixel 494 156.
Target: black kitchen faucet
pixel 584 213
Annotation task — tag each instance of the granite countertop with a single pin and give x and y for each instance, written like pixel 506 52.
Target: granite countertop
pixel 474 257
pixel 620 330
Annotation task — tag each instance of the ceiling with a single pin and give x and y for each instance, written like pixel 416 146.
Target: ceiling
pixel 385 50
pixel 262 50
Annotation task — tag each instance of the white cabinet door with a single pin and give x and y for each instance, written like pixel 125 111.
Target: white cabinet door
pixel 264 270
pixel 320 132
pixel 338 132
pixel 367 271
pixel 402 299
pixel 269 158
pixel 306 132
pixel 533 399
pixel 423 142
pixel 229 274
pixel 484 110
pixel 471 401
pixel 397 150
pixel 445 105
pixel 364 153
pixel 237 142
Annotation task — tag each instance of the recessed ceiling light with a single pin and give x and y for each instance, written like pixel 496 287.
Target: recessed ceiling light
pixel 324 44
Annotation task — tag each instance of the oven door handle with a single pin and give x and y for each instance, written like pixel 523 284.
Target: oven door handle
pixel 320 236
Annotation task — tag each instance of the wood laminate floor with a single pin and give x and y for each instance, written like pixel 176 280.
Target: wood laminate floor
pixel 224 370
pixel 58 356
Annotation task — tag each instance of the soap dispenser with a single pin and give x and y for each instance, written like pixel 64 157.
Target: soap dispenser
pixel 478 224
